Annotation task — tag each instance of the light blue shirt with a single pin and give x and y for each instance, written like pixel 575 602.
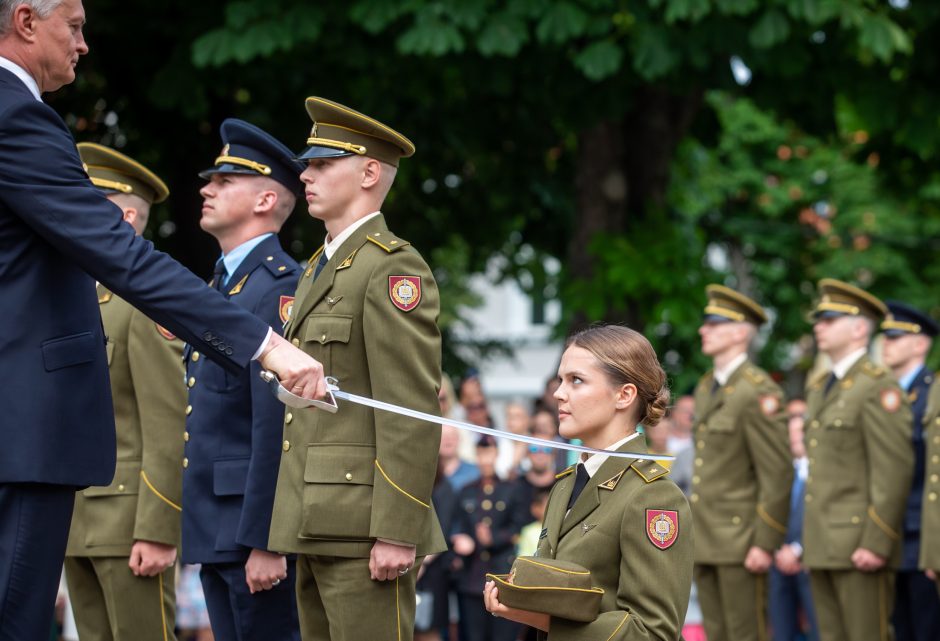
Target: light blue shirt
pixel 234 258
pixel 908 379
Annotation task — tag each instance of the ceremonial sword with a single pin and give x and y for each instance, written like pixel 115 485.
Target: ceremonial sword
pixel 334 392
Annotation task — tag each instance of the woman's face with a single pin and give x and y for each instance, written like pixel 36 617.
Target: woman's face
pixel 587 401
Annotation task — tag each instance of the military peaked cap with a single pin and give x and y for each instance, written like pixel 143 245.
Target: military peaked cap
pixel 903 319
pixel 838 298
pixel 558 588
pixel 114 173
pixel 725 304
pixel 251 150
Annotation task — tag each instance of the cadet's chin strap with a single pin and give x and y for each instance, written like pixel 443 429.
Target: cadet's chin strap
pixel 334 392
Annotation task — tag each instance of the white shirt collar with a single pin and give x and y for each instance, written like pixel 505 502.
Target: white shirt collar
pixel 331 246
pixel 841 368
pixel 594 461
pixel 23 75
pixel 722 375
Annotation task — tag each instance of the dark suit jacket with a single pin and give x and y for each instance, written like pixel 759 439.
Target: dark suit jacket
pixel 917 395
pixel 58 233
pixel 233 431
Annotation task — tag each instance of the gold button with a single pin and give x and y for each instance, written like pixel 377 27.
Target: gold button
pixel 937 421
pixel 814 424
pixel 700 445
pixel 698 462
pixel 694 498
pixel 348 476
pixel 813 442
pixel 736 520
pixel 185 462
pixel 377 234
pixel 295 342
pixel 191 381
pixel 286 446
pixel 322 337
pixel 809 498
pixel 195 356
pixel 933 496
pixel 186 436
pixel 487 504
pixel 856 520
pixel 270 258
pixel 281 268
pixel 486 521
pixel 935 459
pixel 121 487
pixel 189 410
pixel 696 479
pixel 934 478
pixel 308 272
pixel 288 418
pixel 838 422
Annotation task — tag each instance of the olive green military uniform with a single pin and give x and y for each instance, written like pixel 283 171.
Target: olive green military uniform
pixel 347 479
pixel 858 441
pixel 740 496
pixel 631 527
pixel 142 503
pixel 930 516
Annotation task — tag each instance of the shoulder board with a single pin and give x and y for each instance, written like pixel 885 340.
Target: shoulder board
pixel 875 371
pixel 565 472
pixel 387 241
pixel 279 265
pixel 706 378
pixel 817 381
pixel 649 471
pixel 754 375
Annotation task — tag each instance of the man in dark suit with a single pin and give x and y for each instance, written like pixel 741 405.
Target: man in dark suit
pixel 233 423
pixel 58 234
pixel 908 336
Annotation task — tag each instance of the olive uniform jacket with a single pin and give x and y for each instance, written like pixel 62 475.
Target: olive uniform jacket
pixel 632 528
pixel 143 501
pixel 348 478
pixel 930 517
pixel 858 440
pixel 743 467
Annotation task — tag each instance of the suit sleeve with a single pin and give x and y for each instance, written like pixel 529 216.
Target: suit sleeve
pixel 157 372
pixel 267 425
pixel 890 459
pixel 654 584
pixel 59 203
pixel 769 447
pixel 403 353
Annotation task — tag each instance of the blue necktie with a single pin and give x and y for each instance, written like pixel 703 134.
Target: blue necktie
pixel 580 481
pixel 218 274
pixel 320 264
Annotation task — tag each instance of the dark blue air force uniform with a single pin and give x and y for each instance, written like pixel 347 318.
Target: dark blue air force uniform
pixel 58 234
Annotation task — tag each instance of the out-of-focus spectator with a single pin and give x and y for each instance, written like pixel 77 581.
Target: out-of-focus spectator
pixel 545 425
pixel 529 535
pixel 512 454
pixel 657 437
pixel 434 573
pixel 486 529
pixel 457 471
pixel 475 410
pixel 792 615
pixel 447 397
pixel 192 617
pixel 547 401
pixel 680 426
pixel 540 475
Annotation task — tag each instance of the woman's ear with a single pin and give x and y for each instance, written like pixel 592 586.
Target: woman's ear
pixel 626 396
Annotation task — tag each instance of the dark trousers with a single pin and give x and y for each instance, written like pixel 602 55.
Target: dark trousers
pixel 238 615
pixel 476 624
pixel 788 596
pixel 916 607
pixel 34 528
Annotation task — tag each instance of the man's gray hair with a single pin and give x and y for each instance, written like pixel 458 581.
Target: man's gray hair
pixel 42 7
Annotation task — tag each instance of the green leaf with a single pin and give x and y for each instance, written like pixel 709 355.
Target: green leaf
pixel 692 10
pixel 376 15
pixel 653 57
pixel 431 37
pixel 560 23
pixel 815 12
pixel 883 37
pixel 502 35
pixel 772 28
pixel 736 7
pixel 599 60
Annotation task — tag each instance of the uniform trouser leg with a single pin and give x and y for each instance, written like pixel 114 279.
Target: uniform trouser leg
pixel 338 601
pixel 916 607
pixel 481 625
pixel 734 602
pixel 852 605
pixel 34 528
pixel 111 604
pixel 238 615
pixel 809 608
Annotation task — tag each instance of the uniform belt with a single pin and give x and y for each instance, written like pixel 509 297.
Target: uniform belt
pixel 334 392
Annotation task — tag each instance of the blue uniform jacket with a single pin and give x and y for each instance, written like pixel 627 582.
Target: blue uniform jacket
pixel 917 395
pixel 58 234
pixel 234 425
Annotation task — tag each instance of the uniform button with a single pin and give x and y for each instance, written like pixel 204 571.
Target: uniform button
pixel 322 337
pixel 229 351
pixel 185 462
pixel 736 520
pixel 189 410
pixel 809 498
pixel 191 381
pixel 934 478
pixel 696 479
pixel 694 498
pixel 487 504
pixel 487 521
pixel 286 446
pixel 121 487
pixel 813 442
pixel 700 445
pixel 935 459
pixel 270 258
pixel 186 437
pixel 932 496
pixel 207 336
pixel 195 356
pixel 295 342
pixel 838 422
pixel 937 421
pixel 288 417
pixel 814 424
pixel 348 476
pixel 856 520
pixel 698 462
pixel 308 272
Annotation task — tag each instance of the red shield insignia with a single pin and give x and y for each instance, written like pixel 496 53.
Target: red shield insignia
pixel 165 333
pixel 769 404
pixel 284 308
pixel 404 291
pixel 662 527
pixel 891 400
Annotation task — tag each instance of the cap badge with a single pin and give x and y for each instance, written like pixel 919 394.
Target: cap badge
pixel 165 333
pixel 662 527
pixel 225 149
pixel 404 291
pixel 313 132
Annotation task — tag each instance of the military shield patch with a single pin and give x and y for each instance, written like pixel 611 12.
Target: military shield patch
pixel 769 404
pixel 165 333
pixel 284 308
pixel 890 400
pixel 404 291
pixel 662 527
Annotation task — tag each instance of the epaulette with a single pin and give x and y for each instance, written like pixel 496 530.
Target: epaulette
pixel 754 375
pixel 565 472
pixel 817 381
pixel 706 378
pixel 875 371
pixel 278 265
pixel 649 471
pixel 387 241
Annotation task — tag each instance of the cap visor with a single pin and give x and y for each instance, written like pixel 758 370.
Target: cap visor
pixel 715 318
pixel 827 314
pixel 315 151
pixel 226 168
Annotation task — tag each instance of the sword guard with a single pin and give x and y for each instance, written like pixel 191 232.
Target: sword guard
pixel 299 402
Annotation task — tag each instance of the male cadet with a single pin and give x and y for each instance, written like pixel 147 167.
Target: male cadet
pixel 58 233
pixel 122 545
pixel 354 489
pixel 742 475
pixel 908 334
pixel 858 441
pixel 233 422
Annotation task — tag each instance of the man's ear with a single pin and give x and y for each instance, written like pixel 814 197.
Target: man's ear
pixel 371 173
pixel 130 215
pixel 266 201
pixel 24 21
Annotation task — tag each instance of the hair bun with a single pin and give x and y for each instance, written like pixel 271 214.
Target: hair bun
pixel 656 407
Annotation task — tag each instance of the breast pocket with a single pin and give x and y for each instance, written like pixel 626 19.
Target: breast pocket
pixel 68 351
pixel 325 336
pixel 337 498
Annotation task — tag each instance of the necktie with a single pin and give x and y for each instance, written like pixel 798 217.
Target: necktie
pixel 830 382
pixel 580 481
pixel 218 274
pixel 320 264
pixel 715 387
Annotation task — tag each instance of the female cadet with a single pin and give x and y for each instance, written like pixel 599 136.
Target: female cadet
pixel 630 525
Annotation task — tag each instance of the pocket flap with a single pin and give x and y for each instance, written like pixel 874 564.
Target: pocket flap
pixel 230 477
pixel 328 328
pixel 340 463
pixel 847 515
pixel 69 350
pixel 126 481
